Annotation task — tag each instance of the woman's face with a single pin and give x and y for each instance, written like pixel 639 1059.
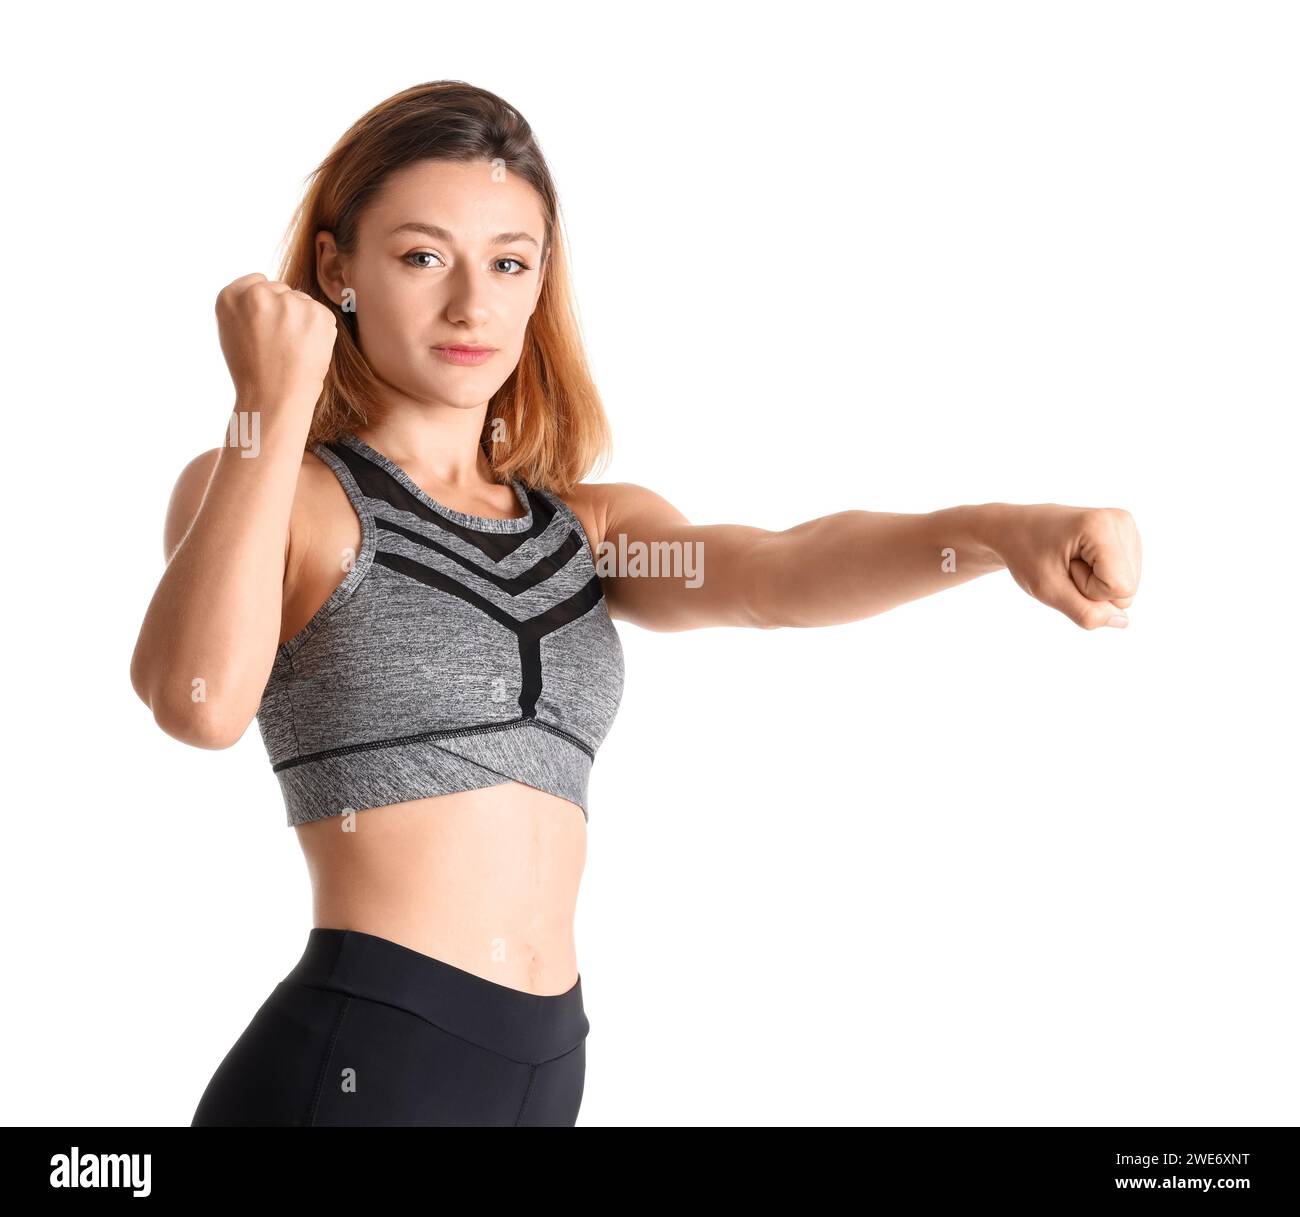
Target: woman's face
pixel 445 255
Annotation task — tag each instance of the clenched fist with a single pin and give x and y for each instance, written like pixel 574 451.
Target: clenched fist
pixel 278 342
pixel 1084 561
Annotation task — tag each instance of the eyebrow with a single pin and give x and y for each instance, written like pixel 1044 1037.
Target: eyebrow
pixel 432 230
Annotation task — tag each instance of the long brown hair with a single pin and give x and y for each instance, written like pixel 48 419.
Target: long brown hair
pixel 552 427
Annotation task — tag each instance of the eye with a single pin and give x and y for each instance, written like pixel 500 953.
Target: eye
pixel 422 253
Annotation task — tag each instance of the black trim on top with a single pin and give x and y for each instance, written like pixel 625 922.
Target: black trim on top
pixel 375 482
pixel 541 570
pixel 425 736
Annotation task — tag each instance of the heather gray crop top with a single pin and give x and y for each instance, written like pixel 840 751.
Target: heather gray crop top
pixel 458 652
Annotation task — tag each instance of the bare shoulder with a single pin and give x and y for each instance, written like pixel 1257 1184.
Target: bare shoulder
pixel 615 507
pixel 585 502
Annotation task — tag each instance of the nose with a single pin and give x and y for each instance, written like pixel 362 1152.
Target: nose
pixel 467 295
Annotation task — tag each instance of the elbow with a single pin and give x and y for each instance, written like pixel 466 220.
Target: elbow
pixel 198 726
pixel 194 722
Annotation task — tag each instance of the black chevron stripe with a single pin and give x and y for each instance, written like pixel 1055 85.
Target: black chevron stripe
pixel 584 599
pixel 530 641
pixel 376 482
pixel 445 583
pixel 529 632
pixel 540 571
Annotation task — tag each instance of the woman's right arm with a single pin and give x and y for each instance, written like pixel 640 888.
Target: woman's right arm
pixel 211 631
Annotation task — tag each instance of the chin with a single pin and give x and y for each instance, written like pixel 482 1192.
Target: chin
pixel 463 396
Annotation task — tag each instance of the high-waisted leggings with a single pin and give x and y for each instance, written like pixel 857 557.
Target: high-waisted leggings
pixel 365 1031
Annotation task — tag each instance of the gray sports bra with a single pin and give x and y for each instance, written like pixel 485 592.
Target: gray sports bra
pixel 458 652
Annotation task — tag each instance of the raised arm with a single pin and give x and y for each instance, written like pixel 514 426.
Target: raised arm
pixel 210 633
pixel 663 573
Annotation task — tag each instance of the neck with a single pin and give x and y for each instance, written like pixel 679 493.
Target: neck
pixel 439 444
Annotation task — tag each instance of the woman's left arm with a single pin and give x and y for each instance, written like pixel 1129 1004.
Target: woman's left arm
pixel 662 572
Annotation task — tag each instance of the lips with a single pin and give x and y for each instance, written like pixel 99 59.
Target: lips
pixel 462 354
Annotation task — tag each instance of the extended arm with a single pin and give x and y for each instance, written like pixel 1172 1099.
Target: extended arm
pixel 1085 562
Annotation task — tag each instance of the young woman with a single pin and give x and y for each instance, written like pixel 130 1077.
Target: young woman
pixel 395 565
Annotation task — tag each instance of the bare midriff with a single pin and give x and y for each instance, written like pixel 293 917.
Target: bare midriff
pixel 486 880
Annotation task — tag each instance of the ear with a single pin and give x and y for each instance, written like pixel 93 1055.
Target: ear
pixel 331 267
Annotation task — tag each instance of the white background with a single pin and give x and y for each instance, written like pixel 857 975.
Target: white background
pixel 962 863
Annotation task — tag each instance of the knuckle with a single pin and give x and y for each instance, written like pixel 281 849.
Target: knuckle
pixel 1118 519
pixel 1092 617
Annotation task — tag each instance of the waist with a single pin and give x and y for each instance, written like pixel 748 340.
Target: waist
pixel 486 880
pixel 523 1026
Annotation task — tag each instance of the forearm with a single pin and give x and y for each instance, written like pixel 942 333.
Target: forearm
pixel 855 564
pixel 215 616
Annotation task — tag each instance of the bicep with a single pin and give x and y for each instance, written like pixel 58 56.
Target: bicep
pixel 664 573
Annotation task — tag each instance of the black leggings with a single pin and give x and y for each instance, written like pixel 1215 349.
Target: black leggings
pixel 365 1031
